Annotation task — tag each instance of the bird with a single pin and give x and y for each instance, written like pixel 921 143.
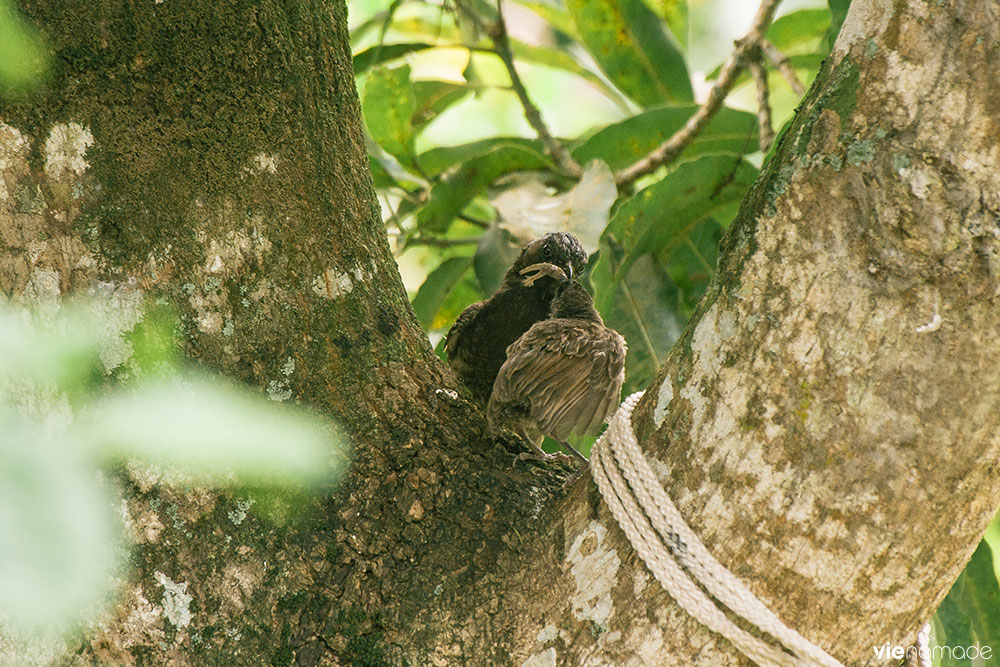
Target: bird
pixel 562 377
pixel 477 343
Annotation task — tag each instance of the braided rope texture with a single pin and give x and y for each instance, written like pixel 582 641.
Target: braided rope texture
pixel 679 560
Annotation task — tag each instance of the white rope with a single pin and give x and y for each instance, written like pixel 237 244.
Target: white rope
pixel 678 559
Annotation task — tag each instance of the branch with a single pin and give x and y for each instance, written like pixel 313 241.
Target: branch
pixel 765 134
pixel 672 147
pixel 780 61
pixel 498 33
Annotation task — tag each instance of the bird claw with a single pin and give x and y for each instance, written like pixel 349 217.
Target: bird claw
pixel 541 270
pixel 542 457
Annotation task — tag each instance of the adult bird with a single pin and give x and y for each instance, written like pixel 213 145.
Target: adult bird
pixel 477 342
pixel 562 377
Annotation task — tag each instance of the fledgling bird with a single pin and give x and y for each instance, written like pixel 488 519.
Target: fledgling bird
pixel 562 377
pixel 477 342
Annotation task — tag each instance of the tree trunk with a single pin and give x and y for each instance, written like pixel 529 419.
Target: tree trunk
pixel 813 421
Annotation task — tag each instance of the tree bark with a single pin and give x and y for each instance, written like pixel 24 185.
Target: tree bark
pixel 813 422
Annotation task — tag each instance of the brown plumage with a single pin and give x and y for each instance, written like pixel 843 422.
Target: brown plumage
pixel 563 377
pixel 477 342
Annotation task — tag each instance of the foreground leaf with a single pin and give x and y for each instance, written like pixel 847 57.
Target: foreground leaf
pixel 214 432
pixel 57 553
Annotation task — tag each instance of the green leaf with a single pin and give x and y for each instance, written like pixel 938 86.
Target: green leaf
pixel 643 306
pixel 436 288
pixel 976 598
pixel 388 106
pixel 675 13
pixel 661 216
pixel 692 264
pixel 621 144
pixel 433 97
pixel 451 195
pixel 435 161
pixel 561 59
pixel 838 12
pixel 800 32
pixel 629 43
pixel 496 251
pixel 57 555
pixel 382 53
pixel 24 58
pixel 215 432
pixel 554 15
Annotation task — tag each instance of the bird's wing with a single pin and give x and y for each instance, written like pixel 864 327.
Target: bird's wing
pixel 451 339
pixel 570 373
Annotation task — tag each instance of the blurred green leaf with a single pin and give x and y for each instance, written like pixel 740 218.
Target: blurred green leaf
pixel 60 349
pixel 951 628
pixel 800 32
pixel 691 265
pixel 389 105
pixel 382 53
pixel 971 611
pixel 450 195
pixel 629 43
pixel 661 216
pixel 675 13
pixel 24 57
pixel 563 60
pixel 620 144
pixel 496 251
pixel 215 432
pixel 436 288
pixel 59 536
pixel 554 15
pixel 838 12
pixel 643 306
pixel 433 97
pixel 437 160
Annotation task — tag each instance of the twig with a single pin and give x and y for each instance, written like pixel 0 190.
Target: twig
pixel 780 61
pixel 672 147
pixel 442 243
pixel 765 134
pixel 498 33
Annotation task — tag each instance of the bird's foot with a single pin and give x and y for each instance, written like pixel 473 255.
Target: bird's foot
pixel 541 270
pixel 542 457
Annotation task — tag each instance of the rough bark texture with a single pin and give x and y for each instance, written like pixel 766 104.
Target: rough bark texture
pixel 211 156
pixel 814 422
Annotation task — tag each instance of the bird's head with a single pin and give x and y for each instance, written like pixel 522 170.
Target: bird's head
pixel 573 301
pixel 559 248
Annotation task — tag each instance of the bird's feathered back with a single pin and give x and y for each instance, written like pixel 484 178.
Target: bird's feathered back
pixel 564 375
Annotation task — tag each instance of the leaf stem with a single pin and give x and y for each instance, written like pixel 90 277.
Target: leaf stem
pixel 558 152
pixel 765 134
pixel 672 147
pixel 780 61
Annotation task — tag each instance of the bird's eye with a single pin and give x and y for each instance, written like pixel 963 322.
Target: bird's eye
pixel 547 251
